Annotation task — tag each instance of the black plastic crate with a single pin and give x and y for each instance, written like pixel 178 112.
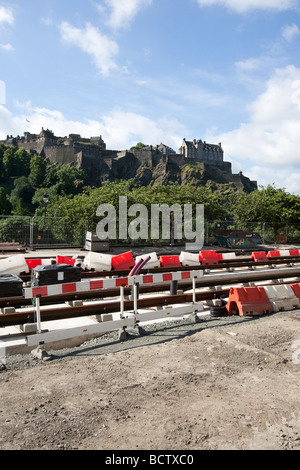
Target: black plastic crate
pixel 10 285
pixel 54 274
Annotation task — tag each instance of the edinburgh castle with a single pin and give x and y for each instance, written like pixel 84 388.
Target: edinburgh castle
pixel 196 162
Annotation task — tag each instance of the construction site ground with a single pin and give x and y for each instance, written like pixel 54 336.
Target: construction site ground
pixel 227 383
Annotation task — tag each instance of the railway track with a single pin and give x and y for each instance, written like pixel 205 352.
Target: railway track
pixel 225 273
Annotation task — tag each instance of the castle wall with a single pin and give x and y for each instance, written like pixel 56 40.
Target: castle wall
pixel 60 154
pixel 145 156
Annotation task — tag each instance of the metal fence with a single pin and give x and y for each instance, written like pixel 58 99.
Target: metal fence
pixel 64 231
pixel 43 231
pixel 286 234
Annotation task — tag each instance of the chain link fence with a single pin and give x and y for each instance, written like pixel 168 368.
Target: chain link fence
pixel 286 234
pixel 43 231
pixel 64 231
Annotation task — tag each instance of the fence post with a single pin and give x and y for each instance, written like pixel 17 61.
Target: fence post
pixel 31 232
pixel 263 232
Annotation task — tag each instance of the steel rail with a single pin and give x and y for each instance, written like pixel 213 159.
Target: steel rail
pixel 93 308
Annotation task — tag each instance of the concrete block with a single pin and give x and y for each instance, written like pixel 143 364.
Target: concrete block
pixel 106 317
pixel 74 303
pixel 29 327
pixel 8 310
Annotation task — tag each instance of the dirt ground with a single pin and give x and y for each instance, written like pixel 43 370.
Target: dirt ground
pixel 220 384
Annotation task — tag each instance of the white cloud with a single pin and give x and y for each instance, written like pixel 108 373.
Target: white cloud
pixel 290 32
pixel 123 12
pixel 120 129
pixel 124 129
pixel 241 6
pixel 6 47
pixel 6 15
pixel 91 41
pixel 2 92
pixel 248 64
pixel 271 137
pixel 265 175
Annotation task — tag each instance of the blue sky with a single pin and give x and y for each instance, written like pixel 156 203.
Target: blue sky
pixel 157 71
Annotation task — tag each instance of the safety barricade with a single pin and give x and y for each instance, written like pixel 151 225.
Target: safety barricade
pixel 282 297
pixel 208 257
pixel 296 289
pixel 248 301
pixel 108 322
pixel 13 265
pixel 283 253
pixel 34 262
pixel 65 260
pixel 152 263
pixel 226 256
pixel 189 259
pixel 108 283
pixel 273 253
pixel 259 256
pixel 170 261
pixel 74 261
pixel 98 261
pixel 122 262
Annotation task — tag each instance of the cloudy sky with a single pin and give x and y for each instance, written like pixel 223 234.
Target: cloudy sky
pixel 157 71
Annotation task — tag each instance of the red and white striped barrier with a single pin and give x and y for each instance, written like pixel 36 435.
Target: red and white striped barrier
pixel 123 320
pixel 259 256
pixel 283 253
pixel 96 284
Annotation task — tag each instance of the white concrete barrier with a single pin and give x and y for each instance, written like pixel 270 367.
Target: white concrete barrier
pixel 13 265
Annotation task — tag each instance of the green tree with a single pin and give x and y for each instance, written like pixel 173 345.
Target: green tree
pixel 70 180
pixel 16 161
pixel 2 167
pixel 9 161
pixel 5 205
pixel 37 173
pixel 275 206
pixel 38 199
pixel 138 146
pixel 51 177
pixel 21 197
pixel 23 159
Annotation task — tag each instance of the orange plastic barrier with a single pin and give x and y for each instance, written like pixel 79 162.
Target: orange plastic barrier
pixel 259 256
pixel 65 260
pixel 123 261
pixel 32 263
pixel 273 253
pixel 208 257
pixel 296 289
pixel 248 301
pixel 170 261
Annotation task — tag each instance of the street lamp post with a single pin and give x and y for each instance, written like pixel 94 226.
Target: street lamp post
pixel 46 200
